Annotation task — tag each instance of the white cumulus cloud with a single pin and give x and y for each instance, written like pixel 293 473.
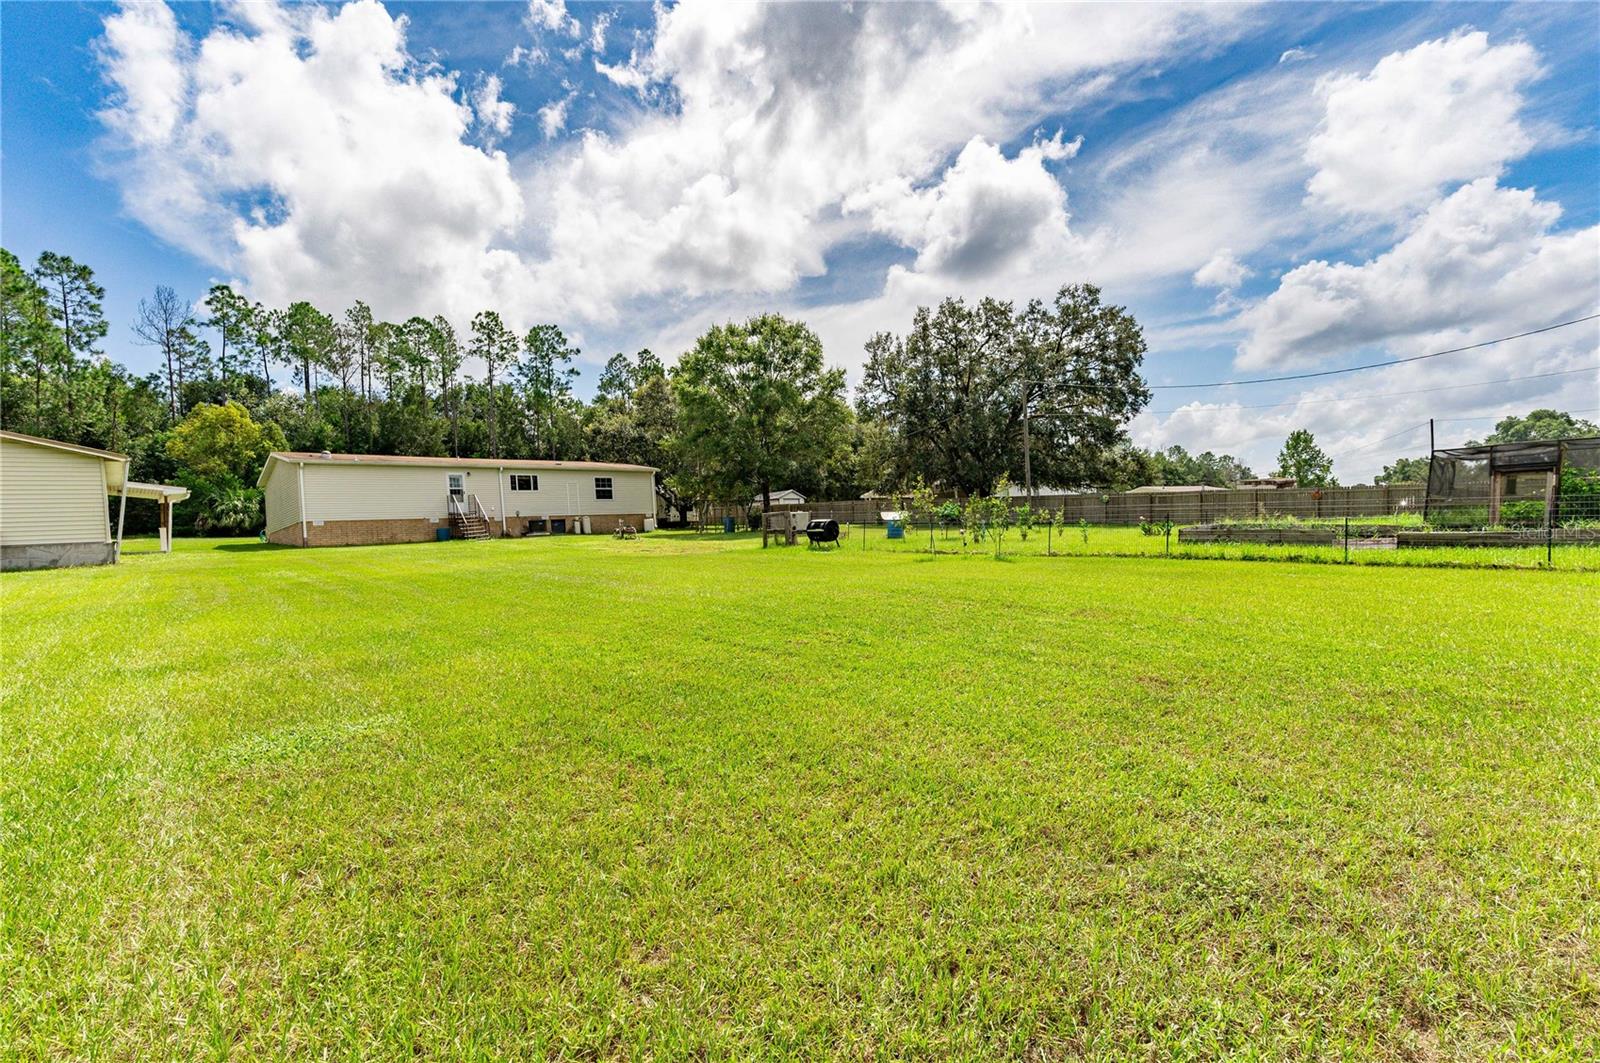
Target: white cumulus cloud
pixel 494 113
pixel 1484 260
pixel 1440 113
pixel 985 212
pixel 552 15
pixel 1222 271
pixel 309 155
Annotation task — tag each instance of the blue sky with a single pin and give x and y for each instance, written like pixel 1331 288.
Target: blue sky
pixel 1272 189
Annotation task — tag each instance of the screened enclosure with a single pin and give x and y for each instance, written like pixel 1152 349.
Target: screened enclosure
pixel 1539 483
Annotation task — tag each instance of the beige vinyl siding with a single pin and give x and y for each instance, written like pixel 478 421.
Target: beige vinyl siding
pixel 283 497
pixel 564 492
pixel 51 496
pixel 401 492
pixel 382 492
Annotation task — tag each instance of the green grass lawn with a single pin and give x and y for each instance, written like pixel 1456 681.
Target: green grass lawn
pixel 682 797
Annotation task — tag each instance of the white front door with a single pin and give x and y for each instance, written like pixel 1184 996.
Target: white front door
pixel 458 486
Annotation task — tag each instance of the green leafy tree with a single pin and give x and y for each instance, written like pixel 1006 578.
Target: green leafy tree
pixel 30 344
pixel 216 441
pixel 1303 460
pixel 358 324
pixel 638 427
pixel 1024 517
pixel 269 336
pixel 1541 424
pixel 1404 471
pixel 227 506
pixel 310 337
pixel 230 315
pixel 497 346
pixel 1175 465
pixel 757 405
pixel 447 363
pixel 971 393
pixel 545 375
pixel 74 300
pixel 167 323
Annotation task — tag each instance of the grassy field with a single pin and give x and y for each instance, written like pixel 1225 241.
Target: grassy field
pixel 683 797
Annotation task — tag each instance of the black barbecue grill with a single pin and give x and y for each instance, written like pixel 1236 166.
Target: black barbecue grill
pixel 822 531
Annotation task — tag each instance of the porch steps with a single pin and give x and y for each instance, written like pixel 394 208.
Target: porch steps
pixel 469 526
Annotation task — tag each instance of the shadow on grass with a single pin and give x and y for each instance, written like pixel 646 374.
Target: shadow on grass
pixel 251 548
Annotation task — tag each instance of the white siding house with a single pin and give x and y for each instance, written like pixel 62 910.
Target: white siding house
pixel 323 499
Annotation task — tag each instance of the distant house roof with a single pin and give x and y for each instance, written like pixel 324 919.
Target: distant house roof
pixel 1271 482
pixel 786 497
pixel 1173 489
pixel 310 457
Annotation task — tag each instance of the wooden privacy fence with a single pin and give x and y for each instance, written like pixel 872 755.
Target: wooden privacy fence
pixel 1131 507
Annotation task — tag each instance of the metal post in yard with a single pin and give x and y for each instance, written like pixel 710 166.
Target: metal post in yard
pixel 932 549
pixel 1169 538
pixel 1549 542
pixel 1347 538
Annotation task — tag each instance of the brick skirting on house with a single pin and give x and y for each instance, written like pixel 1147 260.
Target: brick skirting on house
pixel 422 530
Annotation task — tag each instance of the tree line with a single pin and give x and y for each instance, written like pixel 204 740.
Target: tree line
pixel 1040 393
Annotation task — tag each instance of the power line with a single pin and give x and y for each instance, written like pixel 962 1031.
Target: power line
pixel 1424 424
pixel 1376 442
pixel 1382 395
pixel 1373 365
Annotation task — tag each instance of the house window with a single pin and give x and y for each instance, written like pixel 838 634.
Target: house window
pixel 602 487
pixel 522 481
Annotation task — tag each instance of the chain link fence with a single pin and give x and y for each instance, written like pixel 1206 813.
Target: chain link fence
pixel 1528 520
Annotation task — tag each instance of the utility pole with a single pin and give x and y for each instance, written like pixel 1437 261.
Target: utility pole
pixel 1027 445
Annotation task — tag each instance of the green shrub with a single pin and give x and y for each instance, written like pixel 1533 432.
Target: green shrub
pixel 1525 513
pixel 1459 517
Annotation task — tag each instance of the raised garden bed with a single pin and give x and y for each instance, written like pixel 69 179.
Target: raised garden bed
pixel 1522 537
pixel 1233 533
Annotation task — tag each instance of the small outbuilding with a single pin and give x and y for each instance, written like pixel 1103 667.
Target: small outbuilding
pixel 54 510
pixel 1536 482
pixel 324 499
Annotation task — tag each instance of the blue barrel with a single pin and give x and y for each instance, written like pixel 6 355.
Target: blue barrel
pixel 441 535
pixel 727 525
pixel 897 530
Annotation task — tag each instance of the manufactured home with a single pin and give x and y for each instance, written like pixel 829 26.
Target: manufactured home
pixel 56 503
pixel 323 499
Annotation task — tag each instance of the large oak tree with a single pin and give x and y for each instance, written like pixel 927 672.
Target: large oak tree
pixel 757 407
pixel 973 393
